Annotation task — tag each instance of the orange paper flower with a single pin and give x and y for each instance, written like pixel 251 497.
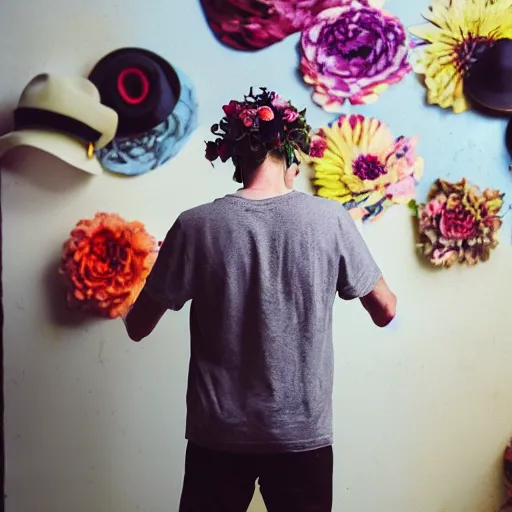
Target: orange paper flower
pixel 105 263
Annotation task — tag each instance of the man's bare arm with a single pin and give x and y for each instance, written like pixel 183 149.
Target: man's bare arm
pixel 380 304
pixel 143 317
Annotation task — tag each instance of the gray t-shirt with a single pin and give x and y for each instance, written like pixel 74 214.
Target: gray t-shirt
pixel 262 276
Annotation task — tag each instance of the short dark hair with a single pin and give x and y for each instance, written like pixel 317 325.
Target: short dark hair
pixel 247 163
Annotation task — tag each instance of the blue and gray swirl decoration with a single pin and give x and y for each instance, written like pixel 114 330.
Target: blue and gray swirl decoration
pixel 133 156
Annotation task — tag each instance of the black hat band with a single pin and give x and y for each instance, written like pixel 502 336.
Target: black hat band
pixel 35 118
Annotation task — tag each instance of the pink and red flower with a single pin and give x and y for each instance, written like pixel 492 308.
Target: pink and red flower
pixel 280 103
pixel 459 224
pixel 247 116
pixel 232 109
pixel 318 146
pixel 290 116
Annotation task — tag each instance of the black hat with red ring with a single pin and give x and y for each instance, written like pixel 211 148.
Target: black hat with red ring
pixel 156 106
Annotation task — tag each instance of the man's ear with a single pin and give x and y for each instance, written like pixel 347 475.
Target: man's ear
pixel 291 173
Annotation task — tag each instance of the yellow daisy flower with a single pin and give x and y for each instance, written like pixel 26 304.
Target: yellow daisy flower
pixel 358 163
pixel 457 33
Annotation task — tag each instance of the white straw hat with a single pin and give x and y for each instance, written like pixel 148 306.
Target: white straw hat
pixel 62 115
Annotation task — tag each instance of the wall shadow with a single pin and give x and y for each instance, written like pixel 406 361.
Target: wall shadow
pixel 87 406
pixel 57 310
pixel 27 164
pixel 6 120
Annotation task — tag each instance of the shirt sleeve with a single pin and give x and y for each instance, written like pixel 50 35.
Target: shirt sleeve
pixel 170 281
pixel 358 271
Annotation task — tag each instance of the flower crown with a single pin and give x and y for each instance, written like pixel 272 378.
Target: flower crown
pixel 257 125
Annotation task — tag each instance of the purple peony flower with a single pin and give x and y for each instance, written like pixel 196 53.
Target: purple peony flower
pixel 353 52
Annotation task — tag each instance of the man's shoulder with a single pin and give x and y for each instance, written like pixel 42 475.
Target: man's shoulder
pixel 201 210
pixel 320 202
pixel 320 207
pixel 308 205
pixel 204 213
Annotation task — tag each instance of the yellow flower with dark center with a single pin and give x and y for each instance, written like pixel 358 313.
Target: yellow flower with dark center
pixel 359 163
pixel 457 33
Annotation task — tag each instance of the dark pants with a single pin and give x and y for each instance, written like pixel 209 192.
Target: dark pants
pixel 225 482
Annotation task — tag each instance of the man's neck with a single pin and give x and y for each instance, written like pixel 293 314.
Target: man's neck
pixel 266 193
pixel 267 182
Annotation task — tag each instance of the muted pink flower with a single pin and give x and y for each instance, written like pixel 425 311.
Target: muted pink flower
pixel 280 103
pixel 403 188
pixel 290 116
pixel 444 257
pixel 317 146
pixel 434 208
pixel 247 116
pixel 457 223
pixel 232 109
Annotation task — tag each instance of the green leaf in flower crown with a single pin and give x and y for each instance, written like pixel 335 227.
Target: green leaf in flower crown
pixel 414 206
pixel 289 154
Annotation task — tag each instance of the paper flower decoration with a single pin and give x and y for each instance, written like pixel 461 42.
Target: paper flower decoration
pixel 353 52
pixel 359 163
pixel 457 33
pixel 105 263
pixel 459 224
pixel 256 24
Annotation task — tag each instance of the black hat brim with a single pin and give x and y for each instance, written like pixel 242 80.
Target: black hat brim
pixel 497 101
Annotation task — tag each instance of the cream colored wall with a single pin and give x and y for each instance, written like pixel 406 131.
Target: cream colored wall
pixel 95 422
